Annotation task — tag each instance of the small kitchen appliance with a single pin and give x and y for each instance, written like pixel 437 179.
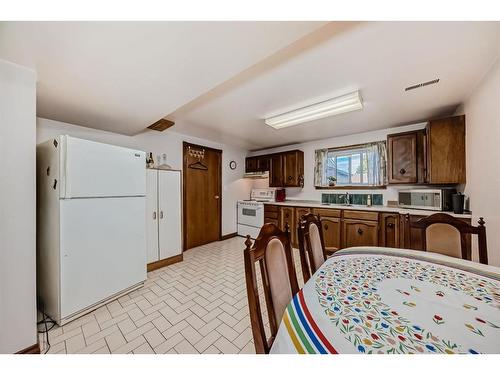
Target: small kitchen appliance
pixel 427 199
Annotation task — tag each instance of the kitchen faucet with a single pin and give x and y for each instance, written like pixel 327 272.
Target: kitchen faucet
pixel 347 200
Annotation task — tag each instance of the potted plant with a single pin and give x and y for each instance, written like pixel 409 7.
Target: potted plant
pixel 331 181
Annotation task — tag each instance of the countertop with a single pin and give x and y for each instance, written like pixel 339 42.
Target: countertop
pixel 403 211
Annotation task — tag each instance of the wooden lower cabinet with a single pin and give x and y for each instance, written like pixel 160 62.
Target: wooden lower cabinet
pixel 287 215
pixel 332 228
pixel 360 233
pixel 389 230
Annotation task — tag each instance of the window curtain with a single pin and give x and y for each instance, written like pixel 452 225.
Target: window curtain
pixel 320 167
pixel 376 163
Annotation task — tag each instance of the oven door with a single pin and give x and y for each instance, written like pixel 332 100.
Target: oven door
pixel 252 215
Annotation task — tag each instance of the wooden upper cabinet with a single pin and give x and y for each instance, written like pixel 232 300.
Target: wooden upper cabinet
pixel 402 158
pixel 276 170
pixel 251 164
pixel 286 169
pixel 263 163
pixel 293 169
pixel 446 150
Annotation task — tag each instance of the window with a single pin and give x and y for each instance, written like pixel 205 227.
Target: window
pixel 361 165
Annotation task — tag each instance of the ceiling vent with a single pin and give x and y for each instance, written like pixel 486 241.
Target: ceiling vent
pixel 418 85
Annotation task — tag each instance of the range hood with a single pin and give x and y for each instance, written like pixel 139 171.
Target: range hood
pixel 256 175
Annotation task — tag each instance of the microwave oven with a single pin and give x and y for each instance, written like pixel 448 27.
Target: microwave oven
pixel 427 199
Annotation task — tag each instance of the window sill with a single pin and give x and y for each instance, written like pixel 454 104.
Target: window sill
pixel 350 187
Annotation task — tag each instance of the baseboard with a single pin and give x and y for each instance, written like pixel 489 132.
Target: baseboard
pixel 164 262
pixel 228 236
pixel 33 349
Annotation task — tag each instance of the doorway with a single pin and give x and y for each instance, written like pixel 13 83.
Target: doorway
pixel 202 187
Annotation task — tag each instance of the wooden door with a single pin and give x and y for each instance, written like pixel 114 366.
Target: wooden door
pixel 360 233
pixel 389 230
pixel 202 195
pixel 152 215
pixel 293 168
pixel 402 158
pixel 169 218
pixel 251 164
pixel 263 163
pixel 276 171
pixel 446 150
pixel 271 214
pixel 331 233
pixel 288 216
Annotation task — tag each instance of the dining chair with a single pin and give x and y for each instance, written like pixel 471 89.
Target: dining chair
pixel 445 234
pixel 273 252
pixel 311 244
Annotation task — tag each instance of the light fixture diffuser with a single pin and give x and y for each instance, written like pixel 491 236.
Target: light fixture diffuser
pixel 335 106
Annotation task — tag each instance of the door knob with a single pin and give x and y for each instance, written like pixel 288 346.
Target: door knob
pixel 402 171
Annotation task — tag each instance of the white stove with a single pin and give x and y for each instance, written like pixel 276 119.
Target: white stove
pixel 251 212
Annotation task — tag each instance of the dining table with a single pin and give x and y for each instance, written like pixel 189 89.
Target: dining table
pixel 378 300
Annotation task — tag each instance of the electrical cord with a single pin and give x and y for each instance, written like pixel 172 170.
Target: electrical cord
pixel 46 320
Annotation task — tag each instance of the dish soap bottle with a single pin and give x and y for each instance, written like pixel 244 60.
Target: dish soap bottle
pixel 369 200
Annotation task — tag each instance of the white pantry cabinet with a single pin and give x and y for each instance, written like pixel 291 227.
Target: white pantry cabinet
pixel 164 217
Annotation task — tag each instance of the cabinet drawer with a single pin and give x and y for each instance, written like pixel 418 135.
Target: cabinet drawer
pixel 271 215
pixel 327 212
pixel 361 215
pixel 270 208
pixel 273 221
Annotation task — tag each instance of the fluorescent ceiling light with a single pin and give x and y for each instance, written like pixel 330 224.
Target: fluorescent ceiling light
pixel 341 104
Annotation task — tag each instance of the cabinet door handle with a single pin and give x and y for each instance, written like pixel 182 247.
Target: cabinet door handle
pixel 402 171
pixel 326 227
pixel 290 178
pixel 154 215
pixel 161 214
pixel 390 225
pixel 360 231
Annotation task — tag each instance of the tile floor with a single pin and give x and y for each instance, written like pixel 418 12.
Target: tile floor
pixel 196 306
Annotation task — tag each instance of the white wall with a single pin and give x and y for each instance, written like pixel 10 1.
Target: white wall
pixel 17 208
pixel 482 111
pixel 309 192
pixel 234 187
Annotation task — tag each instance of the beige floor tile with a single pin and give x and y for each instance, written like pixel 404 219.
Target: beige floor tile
pixel 184 347
pixel 154 337
pixel 75 343
pixel 144 349
pixel 198 305
pixel 115 340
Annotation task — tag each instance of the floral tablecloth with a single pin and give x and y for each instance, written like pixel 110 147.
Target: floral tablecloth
pixel 381 300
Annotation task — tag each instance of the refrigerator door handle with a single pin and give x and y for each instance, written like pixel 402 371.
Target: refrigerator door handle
pixel 154 215
pixel 161 214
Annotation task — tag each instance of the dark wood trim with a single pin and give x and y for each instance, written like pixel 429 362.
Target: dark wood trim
pixel 33 349
pixel 161 125
pixel 228 236
pixel 350 187
pixel 184 216
pixel 164 262
pixel 184 144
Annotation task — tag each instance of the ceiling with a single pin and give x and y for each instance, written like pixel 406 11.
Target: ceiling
pixel 123 76
pixel 219 80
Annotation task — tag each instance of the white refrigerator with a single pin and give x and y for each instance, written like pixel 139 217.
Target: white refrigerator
pixel 91 227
